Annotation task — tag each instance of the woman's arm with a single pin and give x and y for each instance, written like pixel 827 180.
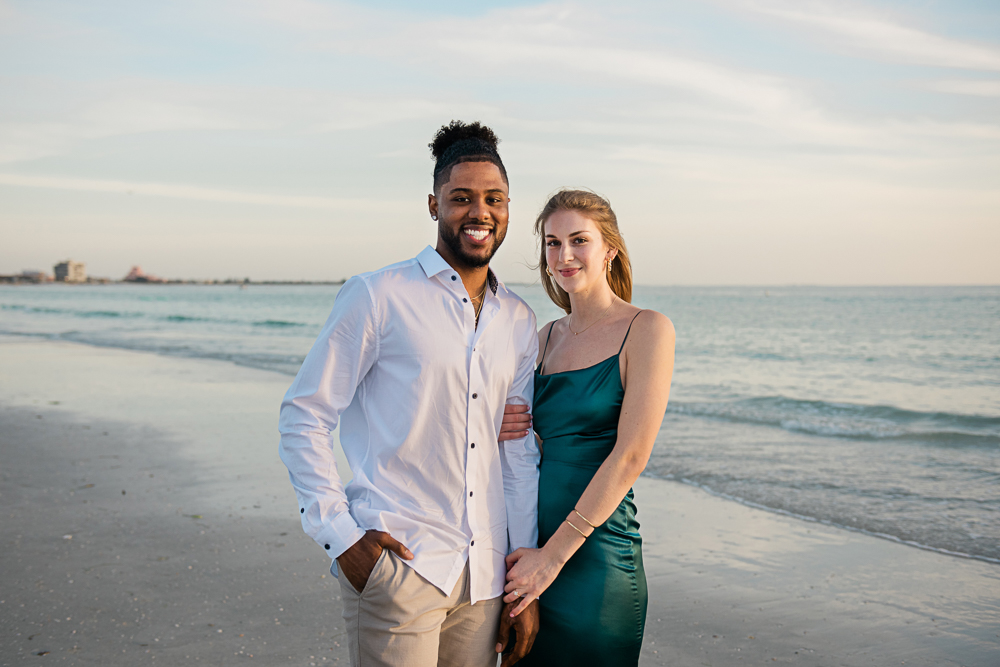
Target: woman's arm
pixel 649 366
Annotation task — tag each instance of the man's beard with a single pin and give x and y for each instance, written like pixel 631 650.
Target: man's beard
pixel 454 243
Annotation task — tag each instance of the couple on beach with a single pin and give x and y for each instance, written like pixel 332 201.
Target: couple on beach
pixel 457 518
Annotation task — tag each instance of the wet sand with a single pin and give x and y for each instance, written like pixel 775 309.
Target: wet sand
pixel 147 519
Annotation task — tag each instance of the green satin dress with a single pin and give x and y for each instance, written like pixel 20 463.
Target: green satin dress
pixel 595 611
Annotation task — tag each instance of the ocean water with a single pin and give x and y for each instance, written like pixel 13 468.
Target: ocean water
pixel 874 409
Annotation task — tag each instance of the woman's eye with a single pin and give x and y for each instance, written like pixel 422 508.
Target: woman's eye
pixel 552 244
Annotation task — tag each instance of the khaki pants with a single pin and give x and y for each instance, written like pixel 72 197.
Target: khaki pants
pixel 402 620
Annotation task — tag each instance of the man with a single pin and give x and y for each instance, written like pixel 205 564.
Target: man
pixel 416 363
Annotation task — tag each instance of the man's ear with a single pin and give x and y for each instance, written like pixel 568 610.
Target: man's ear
pixel 432 206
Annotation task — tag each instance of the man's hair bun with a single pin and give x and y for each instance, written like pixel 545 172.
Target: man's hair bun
pixel 457 130
pixel 459 142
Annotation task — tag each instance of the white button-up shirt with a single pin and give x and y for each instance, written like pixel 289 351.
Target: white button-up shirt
pixel 419 393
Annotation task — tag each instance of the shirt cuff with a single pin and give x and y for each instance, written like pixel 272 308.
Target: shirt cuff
pixel 339 536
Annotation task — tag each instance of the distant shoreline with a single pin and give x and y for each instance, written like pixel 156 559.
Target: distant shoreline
pixel 17 280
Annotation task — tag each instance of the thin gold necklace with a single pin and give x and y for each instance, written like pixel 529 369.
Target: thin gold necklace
pixel 577 333
pixel 480 308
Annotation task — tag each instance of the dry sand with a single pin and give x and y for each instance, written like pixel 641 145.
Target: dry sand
pixel 148 520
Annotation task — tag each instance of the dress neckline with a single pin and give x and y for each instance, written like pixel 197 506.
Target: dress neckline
pixel 576 370
pixel 541 363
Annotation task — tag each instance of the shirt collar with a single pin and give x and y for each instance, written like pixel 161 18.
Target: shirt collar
pixel 432 263
pixel 493 281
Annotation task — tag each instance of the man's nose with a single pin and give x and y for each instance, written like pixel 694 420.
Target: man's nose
pixel 479 211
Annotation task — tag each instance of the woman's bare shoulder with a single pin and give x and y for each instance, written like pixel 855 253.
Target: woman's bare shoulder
pixel 650 350
pixel 652 328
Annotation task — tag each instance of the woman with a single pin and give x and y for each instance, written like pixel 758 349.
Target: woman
pixel 601 389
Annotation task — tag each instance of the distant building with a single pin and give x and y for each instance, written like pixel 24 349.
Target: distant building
pixel 26 276
pixel 70 272
pixel 32 276
pixel 137 275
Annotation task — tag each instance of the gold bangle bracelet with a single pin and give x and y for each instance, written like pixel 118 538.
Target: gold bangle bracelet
pixel 577 529
pixel 584 518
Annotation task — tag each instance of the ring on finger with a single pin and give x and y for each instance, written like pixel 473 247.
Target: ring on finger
pixel 516 593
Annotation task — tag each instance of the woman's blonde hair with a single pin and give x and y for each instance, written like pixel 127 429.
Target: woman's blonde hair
pixel 598 209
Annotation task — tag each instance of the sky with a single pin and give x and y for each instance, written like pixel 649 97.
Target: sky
pixel 740 142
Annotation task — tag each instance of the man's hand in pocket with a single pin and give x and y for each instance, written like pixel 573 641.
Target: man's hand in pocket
pixel 359 560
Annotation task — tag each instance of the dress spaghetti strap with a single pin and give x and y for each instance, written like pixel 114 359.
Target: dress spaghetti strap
pixel 623 340
pixel 545 349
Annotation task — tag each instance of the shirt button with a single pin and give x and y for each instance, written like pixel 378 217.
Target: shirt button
pixel 470 494
pixel 473 445
pixel 454 277
pixel 464 300
pixel 326 546
pixel 473 543
pixel 475 396
pixel 302 510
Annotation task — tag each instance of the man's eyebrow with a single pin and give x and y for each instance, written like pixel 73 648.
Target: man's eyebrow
pixel 490 191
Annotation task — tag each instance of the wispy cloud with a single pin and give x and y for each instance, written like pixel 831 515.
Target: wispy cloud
pixel 577 43
pixel 525 43
pixel 746 89
pixel 874 33
pixel 976 87
pixel 75 112
pixel 303 16
pixel 83 112
pixel 710 98
pixel 198 193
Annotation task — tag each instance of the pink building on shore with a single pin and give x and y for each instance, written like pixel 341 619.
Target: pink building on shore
pixel 137 275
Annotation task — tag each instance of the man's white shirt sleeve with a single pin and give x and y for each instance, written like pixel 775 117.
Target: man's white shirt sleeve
pixel 343 354
pixel 520 458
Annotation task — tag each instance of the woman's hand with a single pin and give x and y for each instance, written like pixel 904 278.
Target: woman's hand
pixel 516 422
pixel 529 572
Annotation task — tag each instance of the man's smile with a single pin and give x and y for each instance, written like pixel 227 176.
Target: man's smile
pixel 478 235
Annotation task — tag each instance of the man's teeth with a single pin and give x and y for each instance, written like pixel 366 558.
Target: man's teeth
pixel 478 234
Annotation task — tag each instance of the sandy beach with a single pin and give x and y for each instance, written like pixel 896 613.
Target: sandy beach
pixel 147 519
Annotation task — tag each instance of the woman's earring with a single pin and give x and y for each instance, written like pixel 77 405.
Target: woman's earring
pixel 609 264
pixel 548 271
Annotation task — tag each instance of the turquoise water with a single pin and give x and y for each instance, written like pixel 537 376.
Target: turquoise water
pixel 875 409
